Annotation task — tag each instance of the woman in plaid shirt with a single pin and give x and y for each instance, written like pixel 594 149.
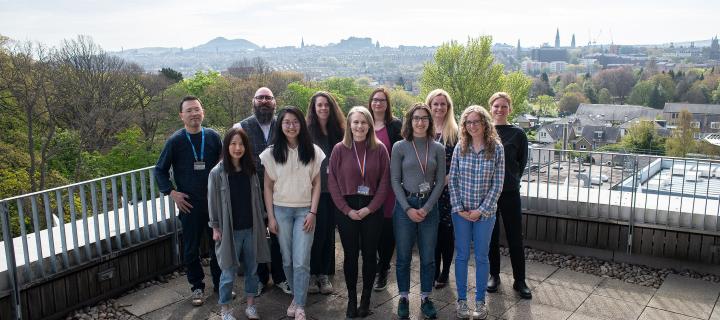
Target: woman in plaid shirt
pixel 476 180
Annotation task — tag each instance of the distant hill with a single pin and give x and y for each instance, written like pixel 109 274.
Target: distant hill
pixel 221 44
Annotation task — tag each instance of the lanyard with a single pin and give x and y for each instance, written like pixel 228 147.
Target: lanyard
pixel 202 145
pixel 362 167
pixel 427 151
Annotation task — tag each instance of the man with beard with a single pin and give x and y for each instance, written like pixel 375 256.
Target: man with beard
pixel 191 152
pixel 259 128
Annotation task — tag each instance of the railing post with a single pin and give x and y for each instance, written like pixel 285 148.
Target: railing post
pixel 11 265
pixel 633 197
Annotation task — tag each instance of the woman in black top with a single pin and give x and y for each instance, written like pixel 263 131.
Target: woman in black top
pixel 387 130
pixel 326 123
pixel 509 210
pixel 446 132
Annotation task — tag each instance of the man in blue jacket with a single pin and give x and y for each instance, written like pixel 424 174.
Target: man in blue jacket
pixel 189 154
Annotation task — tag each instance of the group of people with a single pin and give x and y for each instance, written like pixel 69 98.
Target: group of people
pixel 386 184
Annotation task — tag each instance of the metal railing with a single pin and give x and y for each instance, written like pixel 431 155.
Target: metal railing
pixel 666 192
pixel 51 231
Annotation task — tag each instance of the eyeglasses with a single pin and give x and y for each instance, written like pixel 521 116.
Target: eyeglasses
pixel 268 98
pixel 290 124
pixel 473 123
pixel 419 119
pixel 376 100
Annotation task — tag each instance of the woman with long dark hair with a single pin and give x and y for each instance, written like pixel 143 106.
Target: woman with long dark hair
pixel 358 182
pixel 238 228
pixel 509 211
pixel 446 133
pixel 326 123
pixel 418 177
pixel 292 191
pixel 475 183
pixel 387 129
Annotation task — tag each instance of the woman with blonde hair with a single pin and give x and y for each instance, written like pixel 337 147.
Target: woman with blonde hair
pixel 446 133
pixel 515 144
pixel 358 181
pixel 475 182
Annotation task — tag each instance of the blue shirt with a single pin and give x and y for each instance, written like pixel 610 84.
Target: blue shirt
pixel 475 183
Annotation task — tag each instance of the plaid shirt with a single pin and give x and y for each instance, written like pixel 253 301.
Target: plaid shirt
pixel 475 183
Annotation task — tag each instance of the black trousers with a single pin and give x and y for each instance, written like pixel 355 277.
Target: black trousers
pixel 322 255
pixel 195 230
pixel 359 236
pixel 510 212
pixel 386 247
pixel 275 269
pixel 444 251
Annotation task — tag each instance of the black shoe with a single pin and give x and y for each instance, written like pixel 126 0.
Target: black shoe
pixel 428 309
pixel 364 309
pixel 381 282
pixel 352 311
pixel 493 283
pixel 441 282
pixel 522 289
pixel 403 308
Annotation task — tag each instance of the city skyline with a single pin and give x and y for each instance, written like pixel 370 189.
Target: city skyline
pixel 165 23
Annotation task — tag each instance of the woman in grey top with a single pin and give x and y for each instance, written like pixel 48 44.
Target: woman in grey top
pixel 417 169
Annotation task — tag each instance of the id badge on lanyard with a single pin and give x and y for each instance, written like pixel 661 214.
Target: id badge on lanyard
pixel 199 163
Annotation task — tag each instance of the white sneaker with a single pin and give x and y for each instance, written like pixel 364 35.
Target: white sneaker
pixel 313 285
pixel 326 286
pixel 198 297
pixel 461 309
pixel 260 287
pixel 227 315
pixel 285 287
pixel 480 311
pixel 292 308
pixel 251 312
pixel 300 314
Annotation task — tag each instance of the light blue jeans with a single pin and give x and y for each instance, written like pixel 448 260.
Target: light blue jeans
pixel 295 245
pixel 480 232
pixel 245 249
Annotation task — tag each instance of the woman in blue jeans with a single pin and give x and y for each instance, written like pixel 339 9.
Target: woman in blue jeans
pixel 417 169
pixel 292 191
pixel 237 219
pixel 475 182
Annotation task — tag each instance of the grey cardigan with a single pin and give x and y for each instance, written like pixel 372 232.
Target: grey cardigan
pixel 220 210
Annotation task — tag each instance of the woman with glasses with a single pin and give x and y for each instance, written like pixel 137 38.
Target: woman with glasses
pixel 237 219
pixel 446 133
pixel 358 182
pixel 292 191
pixel 475 182
pixel 387 129
pixel 509 211
pixel 417 168
pixel 326 123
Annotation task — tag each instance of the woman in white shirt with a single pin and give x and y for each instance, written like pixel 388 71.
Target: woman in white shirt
pixel 292 191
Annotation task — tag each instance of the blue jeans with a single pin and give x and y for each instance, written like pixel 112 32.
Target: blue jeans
pixel 480 232
pixel 245 249
pixel 406 232
pixel 295 246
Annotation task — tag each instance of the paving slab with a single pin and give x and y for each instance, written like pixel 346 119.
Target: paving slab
pixel 331 307
pixel 617 289
pixel 528 310
pixel 558 297
pixel 609 308
pixel 148 300
pixel 533 270
pixel 506 283
pixel 574 280
pixel 390 307
pixel 687 296
pixel 657 314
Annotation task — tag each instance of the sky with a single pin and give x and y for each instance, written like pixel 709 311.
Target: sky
pixel 116 25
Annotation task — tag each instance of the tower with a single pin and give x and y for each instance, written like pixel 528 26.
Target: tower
pixel 572 42
pixel 557 38
pixel 519 50
pixel 302 42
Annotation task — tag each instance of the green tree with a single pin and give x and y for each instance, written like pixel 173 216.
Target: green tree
pixel 297 94
pixel 657 98
pixel 546 106
pixel 590 92
pixel 199 82
pixel 716 95
pixel 172 75
pixel 682 141
pixel 470 75
pixel 604 96
pixel 570 102
pixel 643 137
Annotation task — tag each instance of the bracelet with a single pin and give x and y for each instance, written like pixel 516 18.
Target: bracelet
pixel 312 212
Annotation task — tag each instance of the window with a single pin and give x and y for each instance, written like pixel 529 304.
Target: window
pixel 696 135
pixel 695 124
pixel 714 125
pixel 583 146
pixel 598 134
pixel 543 134
pixel 673 116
